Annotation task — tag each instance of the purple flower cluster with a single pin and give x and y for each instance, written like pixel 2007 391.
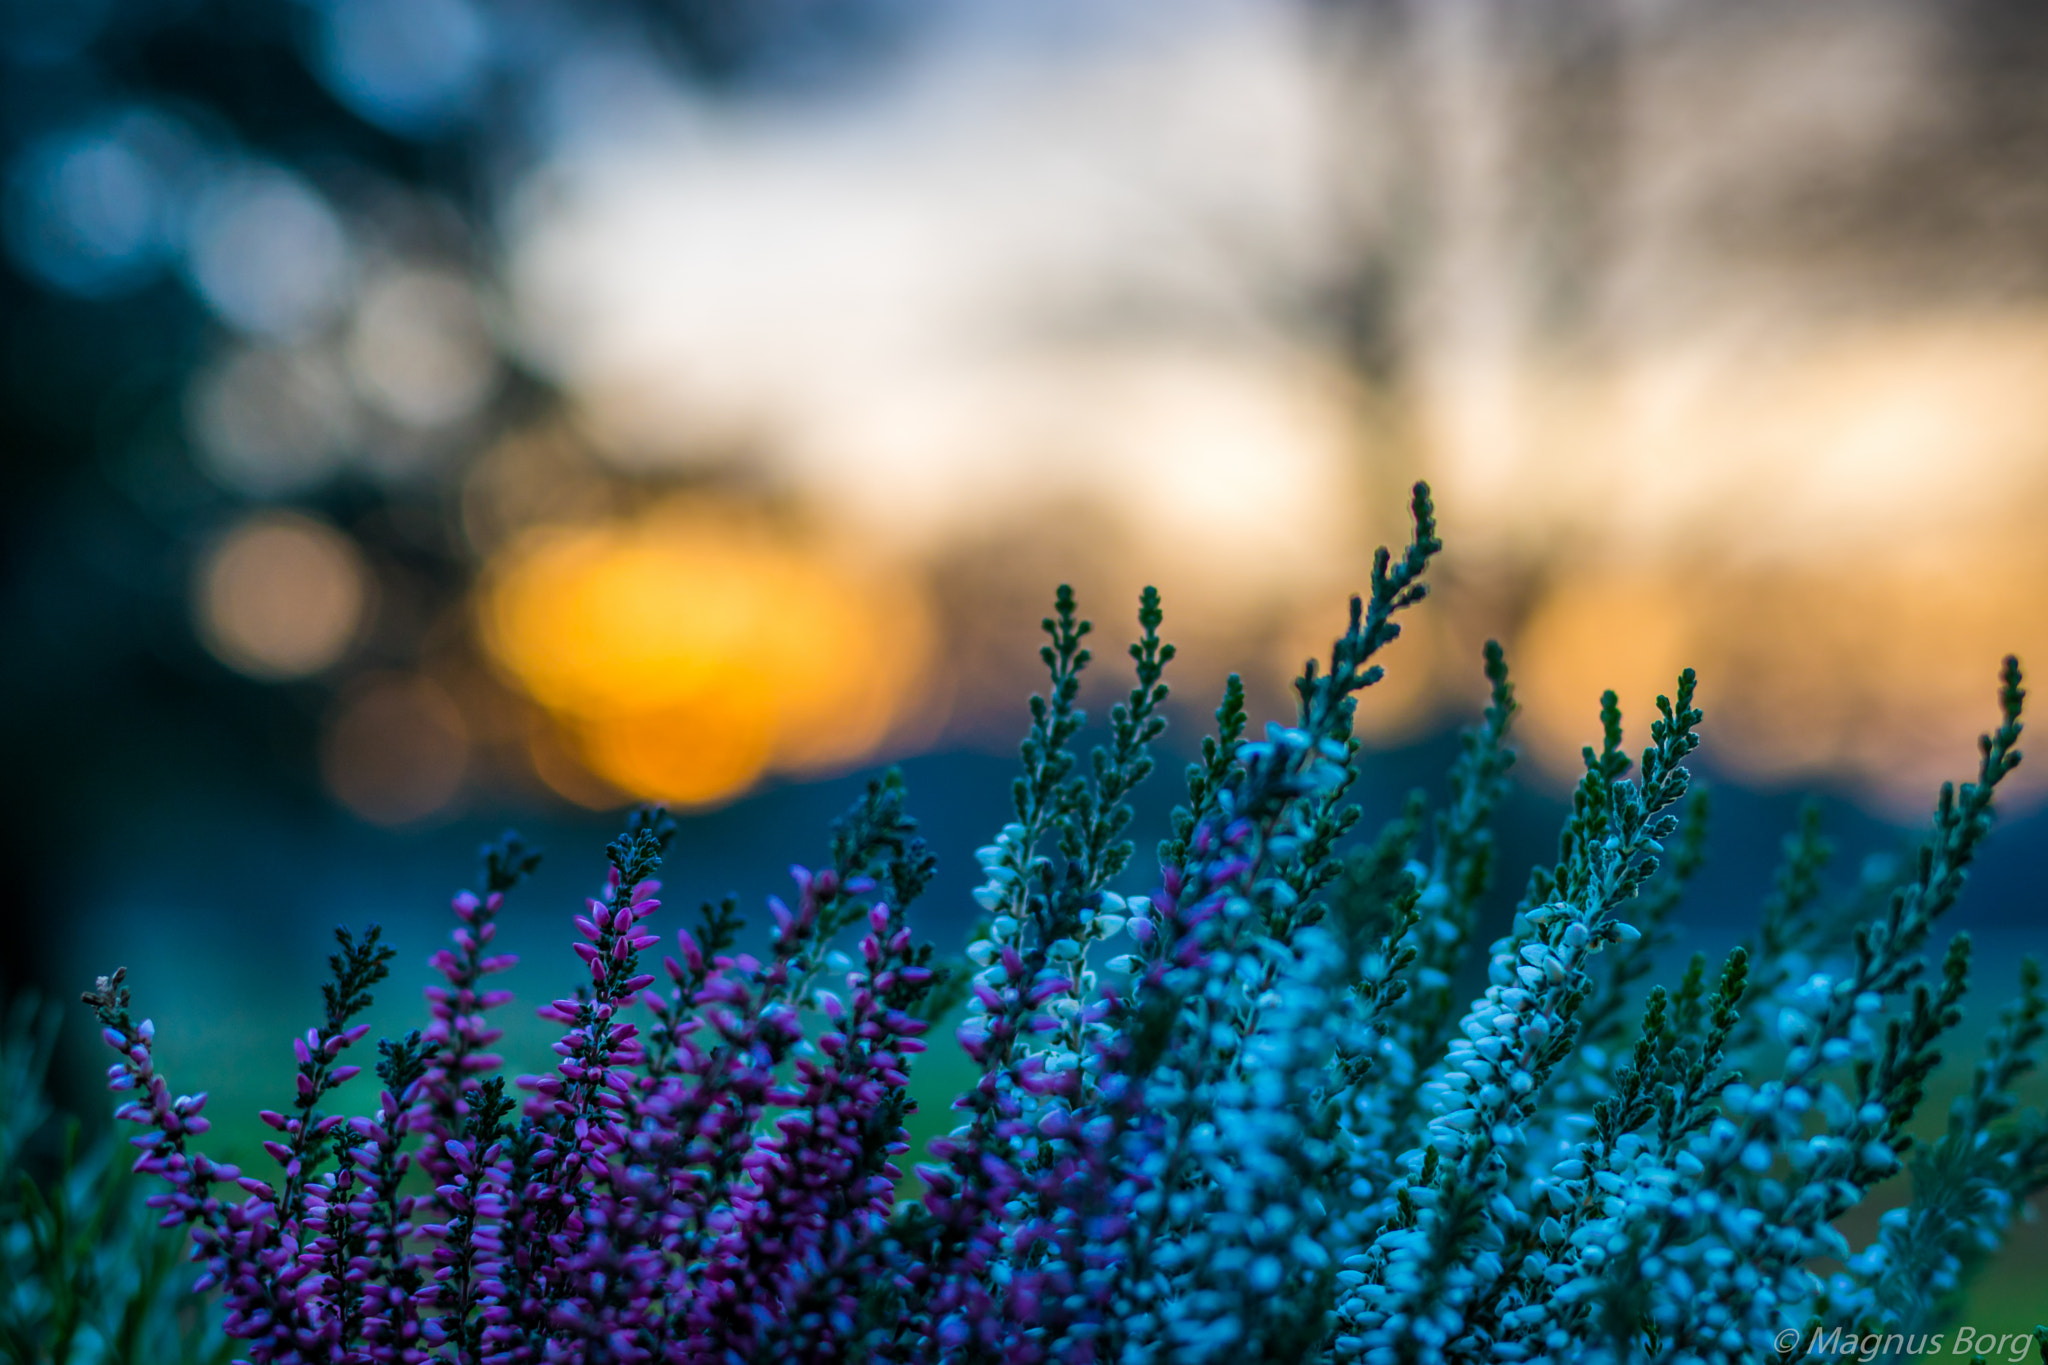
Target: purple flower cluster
pixel 644 1208
pixel 284 1256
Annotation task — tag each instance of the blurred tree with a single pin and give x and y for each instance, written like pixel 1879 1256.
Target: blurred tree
pixel 209 184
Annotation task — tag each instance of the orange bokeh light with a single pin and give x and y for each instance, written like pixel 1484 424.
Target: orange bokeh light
pixel 688 652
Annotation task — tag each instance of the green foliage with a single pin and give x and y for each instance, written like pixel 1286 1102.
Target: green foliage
pixel 86 1276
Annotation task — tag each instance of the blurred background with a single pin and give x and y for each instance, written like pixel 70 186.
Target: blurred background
pixel 427 415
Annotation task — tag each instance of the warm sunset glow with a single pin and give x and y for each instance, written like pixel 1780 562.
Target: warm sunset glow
pixel 928 324
pixel 1883 674
pixel 1841 533
pixel 689 652
pixel 1186 303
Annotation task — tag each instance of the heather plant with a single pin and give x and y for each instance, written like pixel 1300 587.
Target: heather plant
pixel 86 1276
pixel 1245 1116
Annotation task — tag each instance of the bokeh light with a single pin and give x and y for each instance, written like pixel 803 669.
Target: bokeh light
pixel 91 211
pixel 418 349
pixel 267 252
pixel 271 421
pixel 395 748
pixel 1185 302
pixel 689 651
pixel 280 596
pixel 407 65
